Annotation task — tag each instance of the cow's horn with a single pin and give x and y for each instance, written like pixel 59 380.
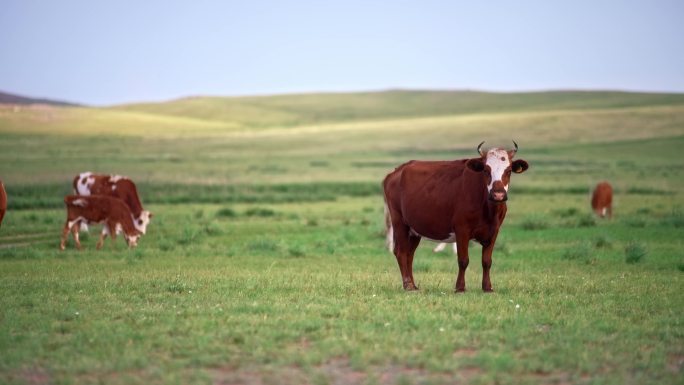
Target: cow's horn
pixel 516 147
pixel 479 148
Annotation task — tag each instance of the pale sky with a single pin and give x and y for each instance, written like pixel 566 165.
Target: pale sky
pixel 111 52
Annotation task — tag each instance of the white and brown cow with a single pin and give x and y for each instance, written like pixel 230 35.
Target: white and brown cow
pixel 112 212
pixel 449 201
pixel 116 186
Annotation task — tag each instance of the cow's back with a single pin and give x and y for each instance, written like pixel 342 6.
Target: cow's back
pixel 119 187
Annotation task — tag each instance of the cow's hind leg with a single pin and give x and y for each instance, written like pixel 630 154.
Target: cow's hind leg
pixel 103 235
pixel 65 234
pixel 75 229
pixel 405 246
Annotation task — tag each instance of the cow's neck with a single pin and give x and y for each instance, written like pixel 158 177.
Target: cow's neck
pixel 496 211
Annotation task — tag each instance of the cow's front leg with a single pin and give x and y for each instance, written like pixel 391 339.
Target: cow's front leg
pixel 487 249
pixel 463 260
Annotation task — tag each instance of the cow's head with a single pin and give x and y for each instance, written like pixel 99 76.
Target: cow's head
pixel 142 221
pixel 132 239
pixel 497 165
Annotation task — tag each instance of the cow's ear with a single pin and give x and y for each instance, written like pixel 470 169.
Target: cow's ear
pixel 519 166
pixel 476 164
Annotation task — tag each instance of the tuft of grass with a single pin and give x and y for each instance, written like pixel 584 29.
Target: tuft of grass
pixel 603 242
pixel 579 252
pixel 226 212
pixel 264 245
pixel 296 251
pixel 567 212
pixel 260 212
pixel 177 286
pixel 535 222
pixel 586 220
pixel 212 229
pixel 635 252
pixel 189 235
pixel 673 219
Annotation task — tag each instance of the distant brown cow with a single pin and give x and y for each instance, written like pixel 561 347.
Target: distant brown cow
pixel 113 213
pixel 449 201
pixel 602 200
pixel 117 186
pixel 3 201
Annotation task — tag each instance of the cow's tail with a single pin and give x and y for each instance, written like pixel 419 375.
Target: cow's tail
pixel 389 230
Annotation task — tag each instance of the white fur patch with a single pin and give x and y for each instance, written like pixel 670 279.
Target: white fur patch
pixel 442 246
pixel 80 202
pixel 144 218
pixel 85 182
pixel 498 161
pixel 116 178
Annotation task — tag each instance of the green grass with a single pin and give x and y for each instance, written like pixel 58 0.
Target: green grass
pixel 265 259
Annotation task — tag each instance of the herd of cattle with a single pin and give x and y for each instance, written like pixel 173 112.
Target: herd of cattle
pixel 445 201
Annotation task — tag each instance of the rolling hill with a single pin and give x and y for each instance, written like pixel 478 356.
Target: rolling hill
pixel 7 98
pixel 303 109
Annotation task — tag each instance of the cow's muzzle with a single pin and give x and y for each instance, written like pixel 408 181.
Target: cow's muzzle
pixel 498 196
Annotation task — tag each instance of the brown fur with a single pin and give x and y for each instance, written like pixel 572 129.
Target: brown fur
pixel 98 209
pixel 3 202
pixel 602 200
pixel 438 199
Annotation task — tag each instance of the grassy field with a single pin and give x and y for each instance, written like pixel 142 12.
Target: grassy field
pixel 265 261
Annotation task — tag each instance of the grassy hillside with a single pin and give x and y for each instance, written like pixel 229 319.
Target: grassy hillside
pixel 295 110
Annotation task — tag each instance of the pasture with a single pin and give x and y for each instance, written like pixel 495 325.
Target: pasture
pixel 265 259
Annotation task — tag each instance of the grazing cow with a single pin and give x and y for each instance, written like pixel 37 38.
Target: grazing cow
pixel 3 201
pixel 449 201
pixel 113 213
pixel 116 186
pixel 602 200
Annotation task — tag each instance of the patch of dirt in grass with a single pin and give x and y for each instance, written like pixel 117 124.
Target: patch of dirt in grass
pixel 675 362
pixel 232 376
pixel 33 376
pixel 556 378
pixel 339 371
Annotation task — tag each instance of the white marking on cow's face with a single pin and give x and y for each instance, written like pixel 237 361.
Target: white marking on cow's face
pixel 498 161
pixel 132 240
pixel 85 182
pixel 142 221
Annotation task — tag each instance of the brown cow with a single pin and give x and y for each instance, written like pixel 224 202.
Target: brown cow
pixel 112 212
pixel 449 201
pixel 3 201
pixel 602 200
pixel 116 186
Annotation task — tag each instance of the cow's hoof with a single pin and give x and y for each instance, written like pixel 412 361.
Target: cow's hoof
pixel 461 290
pixel 489 290
pixel 410 287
